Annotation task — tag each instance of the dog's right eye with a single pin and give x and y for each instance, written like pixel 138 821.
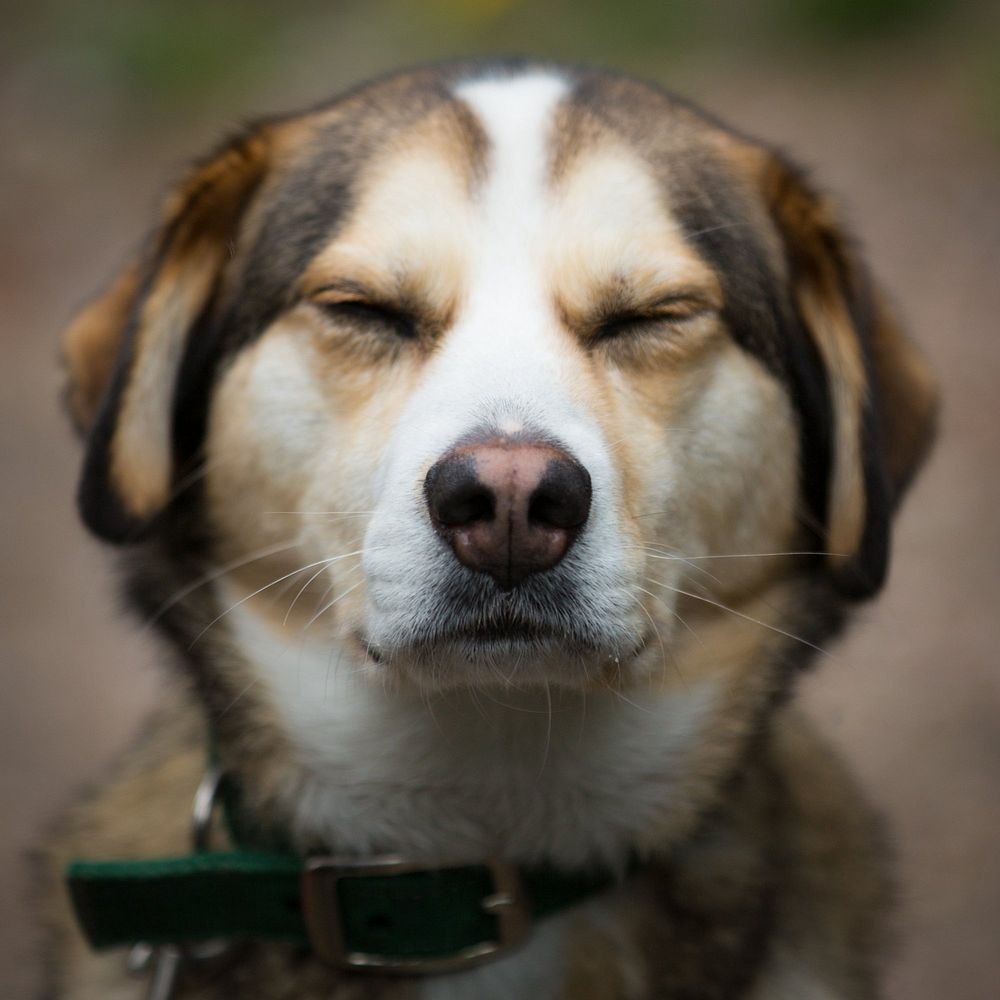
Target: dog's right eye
pixel 369 315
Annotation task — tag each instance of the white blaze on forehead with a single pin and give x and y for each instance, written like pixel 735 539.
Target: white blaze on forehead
pixel 503 354
pixel 504 362
pixel 516 115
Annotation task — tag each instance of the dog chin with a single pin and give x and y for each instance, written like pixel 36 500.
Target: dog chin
pixel 511 660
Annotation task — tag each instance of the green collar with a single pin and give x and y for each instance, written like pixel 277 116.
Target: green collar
pixel 383 913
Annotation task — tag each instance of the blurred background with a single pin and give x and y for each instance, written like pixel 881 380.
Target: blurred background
pixel 895 104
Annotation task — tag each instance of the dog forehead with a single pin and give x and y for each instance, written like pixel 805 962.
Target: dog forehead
pixel 508 175
pixel 437 197
pixel 476 124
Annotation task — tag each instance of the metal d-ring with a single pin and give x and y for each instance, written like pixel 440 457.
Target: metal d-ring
pixel 165 962
pixel 204 806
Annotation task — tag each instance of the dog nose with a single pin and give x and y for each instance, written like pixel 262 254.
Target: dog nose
pixel 508 508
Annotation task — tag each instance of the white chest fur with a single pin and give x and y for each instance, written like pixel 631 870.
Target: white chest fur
pixel 526 776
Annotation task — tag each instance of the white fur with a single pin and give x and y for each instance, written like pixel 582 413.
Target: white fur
pixel 504 363
pixel 558 775
pixel 564 776
pixel 568 778
pixel 530 774
pixel 789 976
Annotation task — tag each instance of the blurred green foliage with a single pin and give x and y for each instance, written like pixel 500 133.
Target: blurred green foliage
pixel 161 50
pixel 984 75
pixel 171 53
pixel 840 21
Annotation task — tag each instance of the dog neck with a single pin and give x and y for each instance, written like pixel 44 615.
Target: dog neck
pixel 569 778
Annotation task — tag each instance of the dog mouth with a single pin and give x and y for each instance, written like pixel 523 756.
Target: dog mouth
pixel 498 639
pixel 466 629
pixel 486 638
pixel 503 629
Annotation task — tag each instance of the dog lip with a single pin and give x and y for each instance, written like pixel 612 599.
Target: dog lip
pixel 501 630
pixel 502 637
pixel 472 640
pixel 493 636
pixel 488 635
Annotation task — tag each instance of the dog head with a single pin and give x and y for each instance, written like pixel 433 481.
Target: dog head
pixel 497 373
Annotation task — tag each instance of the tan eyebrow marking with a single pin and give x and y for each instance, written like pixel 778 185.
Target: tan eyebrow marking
pixel 378 255
pixel 403 291
pixel 341 290
pixel 574 130
pixel 338 277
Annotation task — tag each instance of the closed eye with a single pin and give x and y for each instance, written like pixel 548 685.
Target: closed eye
pixel 369 315
pixel 669 312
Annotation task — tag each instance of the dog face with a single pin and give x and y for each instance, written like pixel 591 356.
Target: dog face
pixel 499 375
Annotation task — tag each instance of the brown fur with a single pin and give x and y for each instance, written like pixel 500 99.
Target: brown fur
pixel 91 344
pixel 148 802
pixel 763 865
pixel 827 277
pixel 792 848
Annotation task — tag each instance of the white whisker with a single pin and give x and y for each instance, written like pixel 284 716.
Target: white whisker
pixel 663 648
pixel 740 614
pixel 713 229
pixel 318 573
pixel 322 611
pixel 240 695
pixel 755 555
pixel 548 730
pixel 671 610
pixel 258 554
pixel 658 552
pixel 260 590
pixel 628 701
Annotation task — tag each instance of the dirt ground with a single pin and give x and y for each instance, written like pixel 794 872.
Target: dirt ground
pixel 912 697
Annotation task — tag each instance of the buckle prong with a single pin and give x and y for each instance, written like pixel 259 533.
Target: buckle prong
pixel 498 901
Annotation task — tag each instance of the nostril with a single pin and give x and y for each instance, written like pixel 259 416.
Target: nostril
pixel 547 508
pixel 455 495
pixel 562 498
pixel 468 504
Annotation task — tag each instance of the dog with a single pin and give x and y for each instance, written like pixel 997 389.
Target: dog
pixel 492 447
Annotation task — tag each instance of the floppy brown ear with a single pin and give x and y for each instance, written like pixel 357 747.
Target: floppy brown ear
pixel 91 344
pixel 883 398
pixel 124 350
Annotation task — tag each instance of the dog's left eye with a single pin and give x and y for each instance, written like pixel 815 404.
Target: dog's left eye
pixel 672 312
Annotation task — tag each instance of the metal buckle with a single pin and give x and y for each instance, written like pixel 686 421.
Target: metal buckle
pixel 320 905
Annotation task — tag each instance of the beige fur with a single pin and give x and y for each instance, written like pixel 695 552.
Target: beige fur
pixel 525 252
